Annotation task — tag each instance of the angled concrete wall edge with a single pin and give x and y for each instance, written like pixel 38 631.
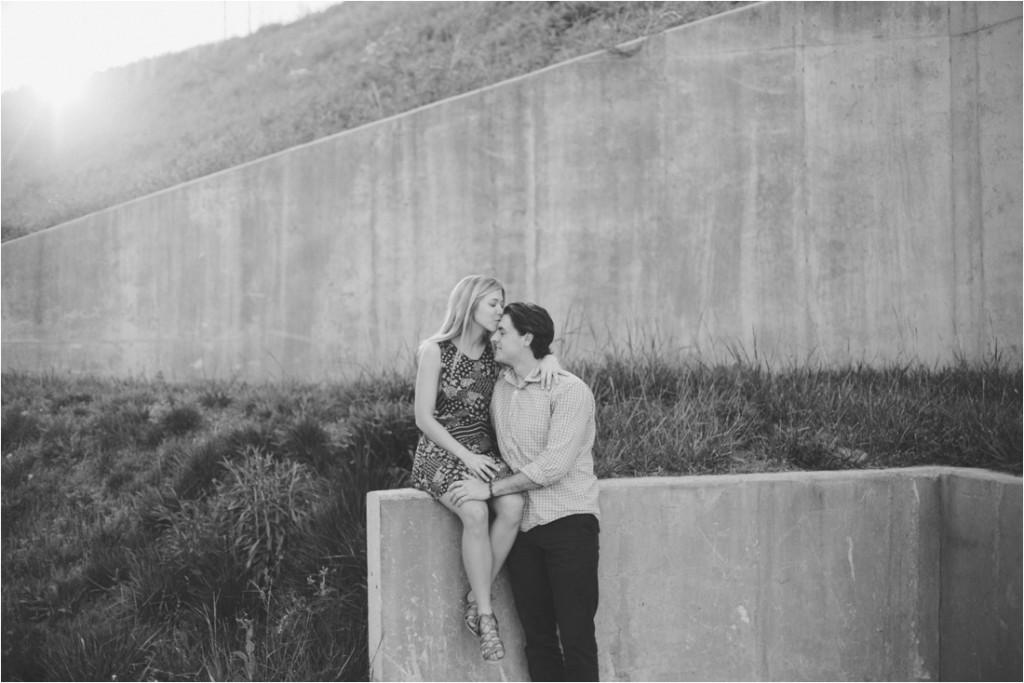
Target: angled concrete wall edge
pixel 375 591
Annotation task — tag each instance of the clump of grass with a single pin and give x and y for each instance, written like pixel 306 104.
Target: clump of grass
pixel 102 650
pixel 384 430
pixel 246 435
pixel 120 423
pixel 265 505
pixel 181 420
pixel 23 654
pixel 200 465
pixel 216 396
pixel 65 438
pixel 306 441
pixel 18 427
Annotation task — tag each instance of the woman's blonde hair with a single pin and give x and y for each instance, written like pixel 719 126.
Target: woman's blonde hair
pixel 461 304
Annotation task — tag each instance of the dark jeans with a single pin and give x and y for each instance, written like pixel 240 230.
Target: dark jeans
pixel 553 571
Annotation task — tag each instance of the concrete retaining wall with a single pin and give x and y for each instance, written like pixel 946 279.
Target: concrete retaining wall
pixel 910 574
pixel 836 181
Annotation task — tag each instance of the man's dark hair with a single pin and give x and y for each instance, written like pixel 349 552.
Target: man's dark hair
pixel 532 319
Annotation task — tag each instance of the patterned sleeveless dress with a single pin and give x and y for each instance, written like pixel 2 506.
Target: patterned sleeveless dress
pixel 463 407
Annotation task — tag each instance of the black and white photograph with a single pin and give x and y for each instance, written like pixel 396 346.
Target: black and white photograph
pixel 511 341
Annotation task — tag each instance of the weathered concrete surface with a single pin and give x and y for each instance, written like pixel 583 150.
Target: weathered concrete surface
pixel 796 576
pixel 835 181
pixel 981 579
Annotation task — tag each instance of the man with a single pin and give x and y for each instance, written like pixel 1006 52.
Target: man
pixel 547 438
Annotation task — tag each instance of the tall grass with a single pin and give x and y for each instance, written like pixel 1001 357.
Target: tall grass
pixel 217 530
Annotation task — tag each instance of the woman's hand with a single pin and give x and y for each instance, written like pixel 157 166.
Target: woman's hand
pixel 468 489
pixel 482 467
pixel 549 370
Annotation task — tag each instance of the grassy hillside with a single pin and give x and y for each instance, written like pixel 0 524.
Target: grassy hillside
pixel 160 122
pixel 216 531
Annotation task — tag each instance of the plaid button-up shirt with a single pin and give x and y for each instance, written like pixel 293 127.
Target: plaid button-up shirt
pixel 549 437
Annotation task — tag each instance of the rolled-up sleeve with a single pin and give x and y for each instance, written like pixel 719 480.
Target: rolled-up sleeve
pixel 571 434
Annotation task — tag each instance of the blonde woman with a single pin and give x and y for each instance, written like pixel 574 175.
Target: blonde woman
pixel 454 382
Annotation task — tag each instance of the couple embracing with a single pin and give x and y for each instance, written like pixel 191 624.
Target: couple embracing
pixel 506 445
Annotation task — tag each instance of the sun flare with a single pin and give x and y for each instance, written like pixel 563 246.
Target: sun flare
pixel 60 88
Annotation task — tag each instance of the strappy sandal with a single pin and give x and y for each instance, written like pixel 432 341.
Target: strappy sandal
pixel 472 616
pixel 491 646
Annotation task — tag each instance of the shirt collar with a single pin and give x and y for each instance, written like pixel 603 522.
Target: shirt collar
pixel 510 376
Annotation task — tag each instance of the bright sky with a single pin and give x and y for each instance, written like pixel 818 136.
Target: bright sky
pixel 55 45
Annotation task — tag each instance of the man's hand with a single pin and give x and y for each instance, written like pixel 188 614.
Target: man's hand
pixel 468 489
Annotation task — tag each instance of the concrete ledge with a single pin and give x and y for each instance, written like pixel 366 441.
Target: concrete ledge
pixel 908 574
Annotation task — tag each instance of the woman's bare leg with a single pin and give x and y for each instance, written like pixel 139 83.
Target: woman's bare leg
pixel 477 555
pixel 508 511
